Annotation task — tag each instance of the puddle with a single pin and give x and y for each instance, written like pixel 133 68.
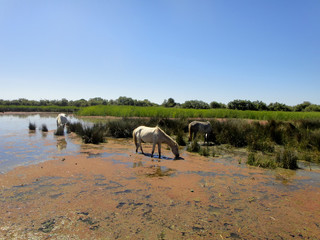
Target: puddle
pixel 309 166
pixel 106 155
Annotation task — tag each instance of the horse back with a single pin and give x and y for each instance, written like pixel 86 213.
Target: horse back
pixel 146 134
pixel 199 126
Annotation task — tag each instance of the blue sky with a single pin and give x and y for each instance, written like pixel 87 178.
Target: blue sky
pixel 209 50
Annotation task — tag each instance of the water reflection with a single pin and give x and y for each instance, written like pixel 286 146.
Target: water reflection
pixel 61 144
pixel 19 146
pixel 159 171
pixel 44 134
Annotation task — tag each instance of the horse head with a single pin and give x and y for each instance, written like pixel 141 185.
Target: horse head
pixel 175 150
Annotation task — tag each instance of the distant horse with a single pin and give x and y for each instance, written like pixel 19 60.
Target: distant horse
pixel 154 135
pixel 201 127
pixel 62 120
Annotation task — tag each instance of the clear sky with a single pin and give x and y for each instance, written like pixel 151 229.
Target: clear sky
pixel 208 50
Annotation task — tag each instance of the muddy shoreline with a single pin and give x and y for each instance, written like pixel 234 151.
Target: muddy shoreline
pixel 108 191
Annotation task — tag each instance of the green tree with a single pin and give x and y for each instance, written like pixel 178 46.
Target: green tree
pixel 196 104
pixel 215 104
pixel 301 107
pixel 169 103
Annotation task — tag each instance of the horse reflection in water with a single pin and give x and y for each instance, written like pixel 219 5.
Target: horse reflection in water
pixel 61 144
pixel 200 127
pixel 156 136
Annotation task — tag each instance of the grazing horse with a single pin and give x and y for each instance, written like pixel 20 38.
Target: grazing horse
pixel 201 127
pixel 154 135
pixel 62 120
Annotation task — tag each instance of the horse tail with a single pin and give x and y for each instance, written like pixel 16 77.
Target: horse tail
pixel 134 137
pixel 189 128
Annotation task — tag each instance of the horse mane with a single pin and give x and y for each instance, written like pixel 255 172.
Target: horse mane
pixel 166 135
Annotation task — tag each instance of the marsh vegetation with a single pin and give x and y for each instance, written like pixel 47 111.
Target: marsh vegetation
pixel 269 144
pixel 32 126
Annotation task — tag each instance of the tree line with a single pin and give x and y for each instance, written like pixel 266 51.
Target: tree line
pixel 169 103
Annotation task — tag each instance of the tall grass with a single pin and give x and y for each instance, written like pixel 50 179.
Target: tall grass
pixel 44 128
pixel 162 112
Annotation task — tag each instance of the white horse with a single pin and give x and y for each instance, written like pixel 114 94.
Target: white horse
pixel 154 135
pixel 62 120
pixel 201 127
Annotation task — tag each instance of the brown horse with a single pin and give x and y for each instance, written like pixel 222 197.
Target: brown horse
pixel 154 135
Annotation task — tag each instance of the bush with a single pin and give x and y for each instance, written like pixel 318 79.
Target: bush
pixel 76 128
pixel 180 140
pixel 204 151
pixel 315 139
pixel 121 128
pixel 193 146
pixel 93 134
pixel 260 161
pixel 287 159
pixel 233 132
pixel 251 159
pixel 258 144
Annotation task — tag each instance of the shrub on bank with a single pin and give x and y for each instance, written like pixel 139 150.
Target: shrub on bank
pixel 93 134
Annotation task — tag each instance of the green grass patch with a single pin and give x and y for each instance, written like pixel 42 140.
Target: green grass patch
pixel 162 112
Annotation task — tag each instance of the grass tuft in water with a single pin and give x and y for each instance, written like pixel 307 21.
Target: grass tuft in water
pixel 32 126
pixel 287 159
pixel 44 128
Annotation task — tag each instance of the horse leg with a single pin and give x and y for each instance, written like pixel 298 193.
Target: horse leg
pixel 153 147
pixel 194 135
pixel 159 149
pixel 137 146
pixel 140 144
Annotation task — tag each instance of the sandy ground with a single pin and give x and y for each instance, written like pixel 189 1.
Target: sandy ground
pixel 110 192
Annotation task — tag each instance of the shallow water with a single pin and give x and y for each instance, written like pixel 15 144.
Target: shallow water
pixel 108 191
pixel 19 146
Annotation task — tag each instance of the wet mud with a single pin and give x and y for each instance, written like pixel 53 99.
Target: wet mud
pixel 108 191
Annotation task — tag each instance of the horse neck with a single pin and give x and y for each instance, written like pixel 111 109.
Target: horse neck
pixel 167 139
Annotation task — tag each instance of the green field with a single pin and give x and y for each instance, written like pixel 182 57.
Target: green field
pixel 162 112
pixel 20 108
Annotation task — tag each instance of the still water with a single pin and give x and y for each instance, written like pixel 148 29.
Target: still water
pixel 19 146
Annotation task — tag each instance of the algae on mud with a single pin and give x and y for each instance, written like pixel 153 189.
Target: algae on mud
pixel 106 192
